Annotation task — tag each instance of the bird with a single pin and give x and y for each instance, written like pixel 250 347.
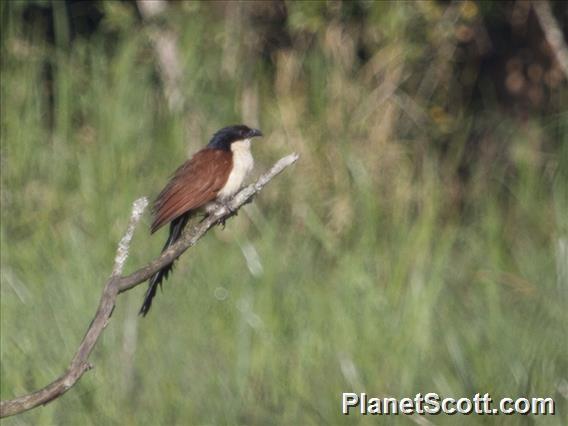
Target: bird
pixel 209 178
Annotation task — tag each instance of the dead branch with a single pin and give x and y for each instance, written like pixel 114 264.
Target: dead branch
pixel 117 284
pixel 552 32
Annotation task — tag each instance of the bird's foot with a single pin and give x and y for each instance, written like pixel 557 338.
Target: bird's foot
pixel 231 211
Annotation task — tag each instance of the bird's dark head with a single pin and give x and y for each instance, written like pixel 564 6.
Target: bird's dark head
pixel 227 135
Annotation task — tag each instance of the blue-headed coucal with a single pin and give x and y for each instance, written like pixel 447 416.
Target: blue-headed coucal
pixel 211 176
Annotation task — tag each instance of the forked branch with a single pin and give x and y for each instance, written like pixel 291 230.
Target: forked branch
pixel 117 284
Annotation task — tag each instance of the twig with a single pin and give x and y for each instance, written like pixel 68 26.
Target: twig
pixel 117 284
pixel 552 32
pixel 138 208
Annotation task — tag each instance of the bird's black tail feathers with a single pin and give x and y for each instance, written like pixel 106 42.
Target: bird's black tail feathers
pixel 176 228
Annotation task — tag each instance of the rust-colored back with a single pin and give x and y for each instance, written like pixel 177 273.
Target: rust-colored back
pixel 194 184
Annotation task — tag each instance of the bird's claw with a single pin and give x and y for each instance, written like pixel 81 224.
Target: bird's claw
pixel 231 211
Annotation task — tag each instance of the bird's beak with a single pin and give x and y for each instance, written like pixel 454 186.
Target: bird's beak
pixel 254 132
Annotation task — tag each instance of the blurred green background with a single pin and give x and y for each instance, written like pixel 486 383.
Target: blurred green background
pixel 420 244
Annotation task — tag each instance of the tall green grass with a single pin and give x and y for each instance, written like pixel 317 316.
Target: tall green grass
pixel 370 266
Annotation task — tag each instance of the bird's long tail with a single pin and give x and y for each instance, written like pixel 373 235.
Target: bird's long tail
pixel 176 228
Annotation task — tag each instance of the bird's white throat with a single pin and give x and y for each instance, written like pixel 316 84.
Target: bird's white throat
pixel 242 166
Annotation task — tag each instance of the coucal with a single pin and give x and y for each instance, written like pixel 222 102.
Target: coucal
pixel 210 177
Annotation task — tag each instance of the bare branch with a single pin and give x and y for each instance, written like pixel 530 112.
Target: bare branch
pixel 138 208
pixel 117 284
pixel 552 32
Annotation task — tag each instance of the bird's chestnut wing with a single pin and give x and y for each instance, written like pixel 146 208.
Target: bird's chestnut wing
pixel 194 184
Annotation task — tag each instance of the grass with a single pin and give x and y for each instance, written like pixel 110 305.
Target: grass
pixel 370 266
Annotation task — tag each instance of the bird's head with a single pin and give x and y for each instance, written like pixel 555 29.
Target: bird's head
pixel 223 138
